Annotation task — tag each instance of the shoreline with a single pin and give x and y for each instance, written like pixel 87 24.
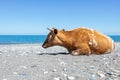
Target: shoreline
pixel 32 62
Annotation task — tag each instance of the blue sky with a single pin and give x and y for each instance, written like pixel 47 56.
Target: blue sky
pixel 34 16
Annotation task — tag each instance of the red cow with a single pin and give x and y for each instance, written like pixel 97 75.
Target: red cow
pixel 80 41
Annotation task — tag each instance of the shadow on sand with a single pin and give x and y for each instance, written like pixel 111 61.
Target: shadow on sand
pixel 61 53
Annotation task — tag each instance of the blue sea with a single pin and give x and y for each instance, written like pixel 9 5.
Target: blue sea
pixel 33 39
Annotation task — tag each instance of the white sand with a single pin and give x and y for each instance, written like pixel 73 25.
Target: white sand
pixel 32 62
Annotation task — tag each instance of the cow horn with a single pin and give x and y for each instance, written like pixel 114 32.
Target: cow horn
pixel 49 29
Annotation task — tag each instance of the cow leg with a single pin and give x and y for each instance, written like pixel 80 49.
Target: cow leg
pixel 82 50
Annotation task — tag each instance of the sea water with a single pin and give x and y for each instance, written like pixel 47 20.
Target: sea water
pixel 22 39
pixel 33 39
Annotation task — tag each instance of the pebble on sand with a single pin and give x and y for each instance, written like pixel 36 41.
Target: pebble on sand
pixel 101 74
pixel 57 78
pixel 70 77
pixel 45 72
pixel 15 73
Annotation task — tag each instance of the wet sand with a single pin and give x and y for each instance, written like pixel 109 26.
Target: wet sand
pixel 32 62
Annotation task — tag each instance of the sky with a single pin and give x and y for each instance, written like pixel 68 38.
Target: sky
pixel 32 17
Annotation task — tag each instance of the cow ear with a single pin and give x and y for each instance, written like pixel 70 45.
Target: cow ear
pixel 55 31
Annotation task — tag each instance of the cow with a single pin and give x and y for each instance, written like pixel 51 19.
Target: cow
pixel 80 41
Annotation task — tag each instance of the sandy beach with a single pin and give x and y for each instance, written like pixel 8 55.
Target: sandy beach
pixel 32 62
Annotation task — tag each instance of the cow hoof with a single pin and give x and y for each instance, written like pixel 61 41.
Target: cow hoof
pixel 74 53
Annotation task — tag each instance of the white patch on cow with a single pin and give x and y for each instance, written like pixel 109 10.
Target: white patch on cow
pixel 90 43
pixel 109 38
pixel 94 42
pixel 113 45
pixel 92 34
pixel 108 51
pixel 88 28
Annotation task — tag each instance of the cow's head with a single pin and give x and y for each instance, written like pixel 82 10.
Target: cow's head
pixel 51 39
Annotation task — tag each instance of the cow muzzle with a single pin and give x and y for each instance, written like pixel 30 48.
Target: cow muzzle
pixel 44 46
